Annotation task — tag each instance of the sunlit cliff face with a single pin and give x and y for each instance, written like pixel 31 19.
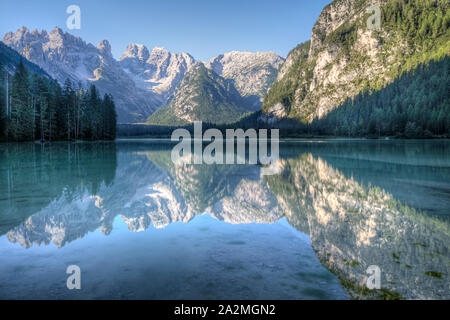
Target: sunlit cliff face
pixel 351 226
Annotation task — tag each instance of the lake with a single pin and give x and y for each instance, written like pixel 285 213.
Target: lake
pixel 141 227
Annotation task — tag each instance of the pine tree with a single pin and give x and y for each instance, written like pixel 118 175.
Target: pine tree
pixel 39 109
pixel 109 118
pixel 67 115
pixel 21 120
pixel 3 97
pixel 52 112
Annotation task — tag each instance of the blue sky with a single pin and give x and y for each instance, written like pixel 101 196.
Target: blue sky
pixel 203 28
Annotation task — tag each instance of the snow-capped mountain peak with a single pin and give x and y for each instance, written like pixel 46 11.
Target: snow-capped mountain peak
pixel 252 72
pixel 104 47
pixel 159 71
pixel 142 80
pixel 135 50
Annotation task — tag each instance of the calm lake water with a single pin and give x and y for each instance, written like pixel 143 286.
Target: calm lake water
pixel 141 227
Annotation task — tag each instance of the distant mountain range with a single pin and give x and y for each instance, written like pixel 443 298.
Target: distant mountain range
pixel 141 81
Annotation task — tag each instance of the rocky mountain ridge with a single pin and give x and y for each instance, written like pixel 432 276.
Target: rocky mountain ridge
pixel 253 73
pixel 157 70
pixel 10 60
pixel 141 80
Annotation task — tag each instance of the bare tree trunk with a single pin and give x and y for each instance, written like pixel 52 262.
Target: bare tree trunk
pixel 78 118
pixel 33 102
pixel 42 126
pixel 7 95
pixel 50 129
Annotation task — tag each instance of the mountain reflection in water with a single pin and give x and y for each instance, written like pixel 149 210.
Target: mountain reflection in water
pixel 361 203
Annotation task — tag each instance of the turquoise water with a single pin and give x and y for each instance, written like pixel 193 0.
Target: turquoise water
pixel 141 227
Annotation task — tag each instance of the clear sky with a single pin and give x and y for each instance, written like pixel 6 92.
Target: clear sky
pixel 203 28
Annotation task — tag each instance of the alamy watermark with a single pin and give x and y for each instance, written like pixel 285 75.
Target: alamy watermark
pixel 74 20
pixel 214 153
pixel 373 281
pixel 74 280
pixel 374 21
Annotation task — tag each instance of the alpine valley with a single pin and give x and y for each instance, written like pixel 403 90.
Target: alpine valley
pixel 142 81
pixel 348 80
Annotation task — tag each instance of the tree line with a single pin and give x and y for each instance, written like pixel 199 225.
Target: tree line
pixel 33 107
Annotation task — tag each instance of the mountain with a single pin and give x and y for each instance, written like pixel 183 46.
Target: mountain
pixel 10 60
pixel 65 56
pixel 158 71
pixel 206 96
pixel 253 73
pixel 345 58
pixel 141 81
pixel 221 91
pixel 419 107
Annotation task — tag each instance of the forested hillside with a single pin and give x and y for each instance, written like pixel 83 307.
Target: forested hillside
pixel 345 59
pixel 417 105
pixel 33 107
